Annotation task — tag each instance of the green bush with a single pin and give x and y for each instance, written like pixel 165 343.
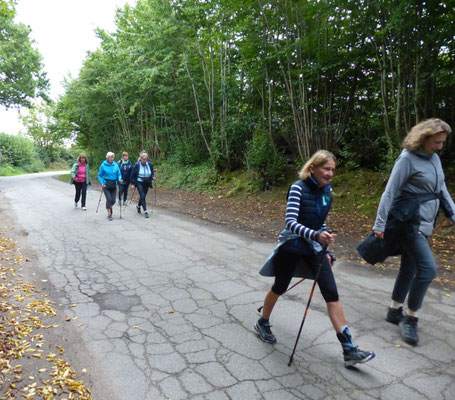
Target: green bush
pixel 264 161
pixel 20 154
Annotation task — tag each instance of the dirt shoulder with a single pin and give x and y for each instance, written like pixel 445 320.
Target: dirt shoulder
pixel 263 220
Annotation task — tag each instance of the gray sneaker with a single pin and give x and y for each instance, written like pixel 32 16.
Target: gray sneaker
pixel 265 333
pixel 354 356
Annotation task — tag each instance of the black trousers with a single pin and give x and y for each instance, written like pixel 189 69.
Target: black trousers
pixel 286 263
pixel 81 190
pixel 110 197
pixel 142 188
pixel 123 189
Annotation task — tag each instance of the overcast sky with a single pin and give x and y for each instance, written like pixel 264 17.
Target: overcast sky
pixel 63 31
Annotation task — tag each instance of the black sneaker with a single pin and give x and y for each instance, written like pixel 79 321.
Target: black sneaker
pixel 354 356
pixel 394 315
pixel 408 326
pixel 265 333
pixel 138 208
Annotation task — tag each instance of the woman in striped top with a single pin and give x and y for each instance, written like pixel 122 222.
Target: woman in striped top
pixel 305 238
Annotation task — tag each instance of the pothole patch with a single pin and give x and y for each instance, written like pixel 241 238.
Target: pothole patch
pixel 116 301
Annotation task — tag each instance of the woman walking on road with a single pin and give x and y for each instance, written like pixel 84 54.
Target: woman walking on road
pixel 416 187
pixel 108 175
pixel 80 176
pixel 141 177
pixel 125 169
pixel 309 201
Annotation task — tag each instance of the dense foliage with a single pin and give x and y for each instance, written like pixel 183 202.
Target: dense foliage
pixel 255 83
pixel 18 155
pixel 21 75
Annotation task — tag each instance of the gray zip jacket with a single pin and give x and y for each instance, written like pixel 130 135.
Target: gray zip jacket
pixel 415 172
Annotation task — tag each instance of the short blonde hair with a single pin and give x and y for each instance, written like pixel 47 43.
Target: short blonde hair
pixel 82 155
pixel 423 130
pixel 109 154
pixel 316 160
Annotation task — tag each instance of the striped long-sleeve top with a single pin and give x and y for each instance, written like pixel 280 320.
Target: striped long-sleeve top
pixel 307 207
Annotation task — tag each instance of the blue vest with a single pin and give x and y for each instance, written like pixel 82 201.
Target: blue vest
pixel 315 203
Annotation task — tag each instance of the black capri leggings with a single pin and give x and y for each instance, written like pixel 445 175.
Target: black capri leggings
pixel 286 263
pixel 110 197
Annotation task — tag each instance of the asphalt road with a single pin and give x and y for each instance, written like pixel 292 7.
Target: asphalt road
pixel 168 306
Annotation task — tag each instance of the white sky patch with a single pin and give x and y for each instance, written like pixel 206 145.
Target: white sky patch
pixel 64 30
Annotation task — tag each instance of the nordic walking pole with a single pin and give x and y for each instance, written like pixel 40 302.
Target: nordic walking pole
pixel 90 190
pixel 322 253
pixel 132 194
pixel 287 290
pixel 99 201
pixel 155 193
pixel 120 205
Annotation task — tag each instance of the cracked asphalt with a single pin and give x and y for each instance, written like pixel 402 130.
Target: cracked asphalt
pixel 168 307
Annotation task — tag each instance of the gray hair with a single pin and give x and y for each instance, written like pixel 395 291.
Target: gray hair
pixel 109 154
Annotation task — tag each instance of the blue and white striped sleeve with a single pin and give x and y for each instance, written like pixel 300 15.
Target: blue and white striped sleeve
pixel 292 213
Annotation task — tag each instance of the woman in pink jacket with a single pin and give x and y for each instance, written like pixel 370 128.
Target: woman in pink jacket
pixel 80 176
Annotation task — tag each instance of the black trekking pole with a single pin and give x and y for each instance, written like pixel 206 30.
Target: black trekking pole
pixel 99 201
pixel 120 205
pixel 322 253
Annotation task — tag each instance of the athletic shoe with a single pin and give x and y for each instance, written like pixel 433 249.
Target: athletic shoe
pixel 75 204
pixel 408 326
pixel 394 315
pixel 125 203
pixel 146 214
pixel 84 208
pixel 109 217
pixel 138 208
pixel 354 356
pixel 265 333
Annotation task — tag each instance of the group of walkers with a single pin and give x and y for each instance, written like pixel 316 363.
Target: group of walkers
pixel 112 174
pixel 406 215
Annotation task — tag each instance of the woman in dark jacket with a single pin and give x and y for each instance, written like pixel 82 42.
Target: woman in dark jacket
pixel 141 177
pixel 125 169
pixel 417 178
pixel 309 201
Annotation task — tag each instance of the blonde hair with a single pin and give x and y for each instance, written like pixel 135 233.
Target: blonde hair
pixel 316 160
pixel 422 131
pixel 109 154
pixel 80 156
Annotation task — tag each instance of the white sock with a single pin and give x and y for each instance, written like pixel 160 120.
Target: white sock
pixel 412 313
pixel 395 304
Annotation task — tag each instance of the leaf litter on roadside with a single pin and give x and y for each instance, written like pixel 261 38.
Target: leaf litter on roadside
pixel 25 313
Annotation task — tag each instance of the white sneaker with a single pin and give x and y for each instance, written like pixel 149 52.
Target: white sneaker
pixel 84 208
pixel 75 204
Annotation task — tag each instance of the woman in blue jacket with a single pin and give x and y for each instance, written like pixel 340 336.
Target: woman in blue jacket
pixel 141 177
pixel 125 168
pixel 309 201
pixel 108 175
